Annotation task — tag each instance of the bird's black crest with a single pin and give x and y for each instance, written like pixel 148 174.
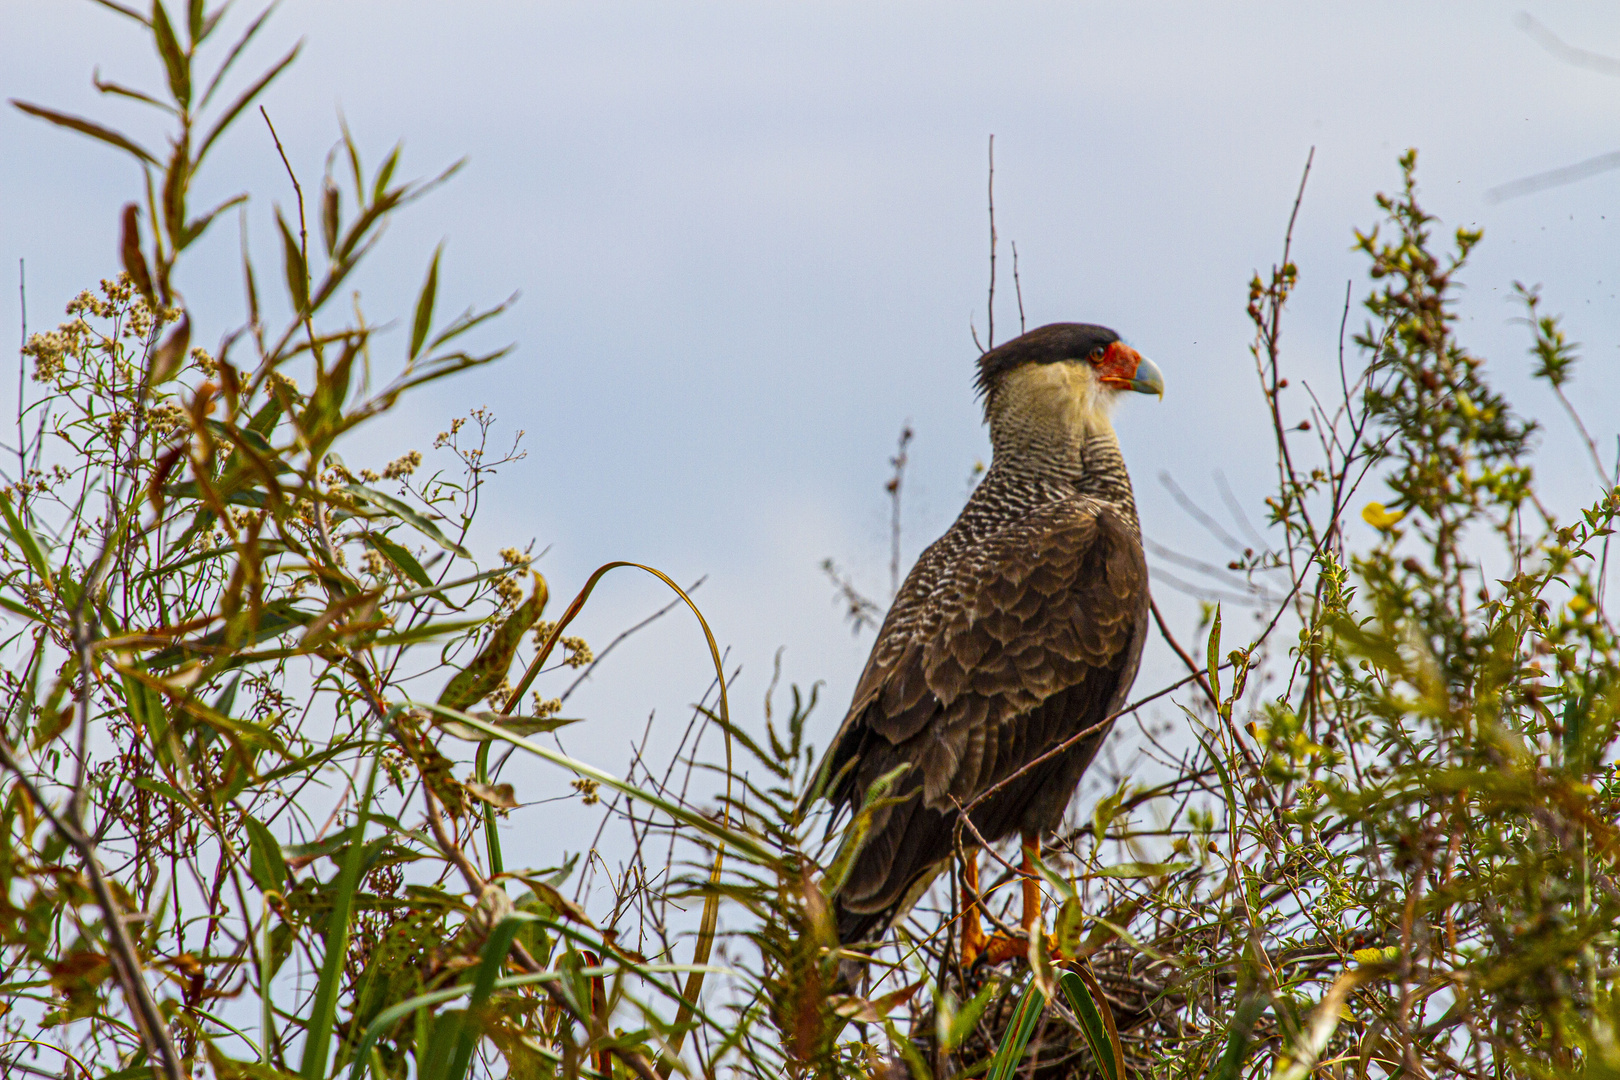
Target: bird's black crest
pixel 1043 345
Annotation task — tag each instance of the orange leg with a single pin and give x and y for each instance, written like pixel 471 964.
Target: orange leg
pixel 1002 948
pixel 1032 885
pixel 973 935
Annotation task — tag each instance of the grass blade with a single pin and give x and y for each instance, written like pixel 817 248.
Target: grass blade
pixel 1011 1050
pixel 323 1012
pixel 490 963
pixel 1085 997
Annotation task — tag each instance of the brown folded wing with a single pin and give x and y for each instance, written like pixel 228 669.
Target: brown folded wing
pixel 990 657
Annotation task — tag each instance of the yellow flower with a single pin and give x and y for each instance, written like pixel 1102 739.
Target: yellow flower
pixel 1375 515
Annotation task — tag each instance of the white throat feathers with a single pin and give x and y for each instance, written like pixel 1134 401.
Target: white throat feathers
pixel 1051 413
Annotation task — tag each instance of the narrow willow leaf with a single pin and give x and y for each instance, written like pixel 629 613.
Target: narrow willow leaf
pixel 297 272
pixel 266 864
pixel 1140 869
pixel 424 305
pixel 424 632
pixel 176 178
pixel 197 226
pixel 86 127
pixel 331 215
pixel 1230 1064
pixel 384 174
pixel 400 557
pixel 168 357
pixel 25 539
pixel 174 60
pixel 488 669
pixel 1212 662
pixel 517 725
pixel 134 261
pixel 962 1024
pixel 490 963
pixel 407 513
pixel 236 49
pixel 1066 928
pixel 245 99
pixel 736 840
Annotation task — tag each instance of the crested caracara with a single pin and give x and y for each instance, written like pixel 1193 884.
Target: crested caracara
pixel 1016 631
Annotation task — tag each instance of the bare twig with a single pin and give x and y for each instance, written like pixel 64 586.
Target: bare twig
pixel 990 313
pixel 1018 288
pixel 893 487
pixel 22 434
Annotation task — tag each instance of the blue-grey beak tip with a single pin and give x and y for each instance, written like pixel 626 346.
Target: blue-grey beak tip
pixel 1149 379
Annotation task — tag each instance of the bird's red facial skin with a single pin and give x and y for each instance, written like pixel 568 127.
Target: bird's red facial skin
pixel 1118 366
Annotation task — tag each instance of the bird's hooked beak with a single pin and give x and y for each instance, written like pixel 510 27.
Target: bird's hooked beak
pixel 1123 368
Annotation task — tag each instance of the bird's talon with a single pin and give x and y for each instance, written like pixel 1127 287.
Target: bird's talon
pixel 1000 948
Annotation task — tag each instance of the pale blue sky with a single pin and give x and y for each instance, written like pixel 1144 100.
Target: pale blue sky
pixel 750 238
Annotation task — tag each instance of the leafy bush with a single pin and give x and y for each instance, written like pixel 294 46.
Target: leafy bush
pixel 251 813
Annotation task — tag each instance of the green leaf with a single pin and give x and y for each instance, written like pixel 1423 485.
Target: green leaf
pixel 331 215
pixel 1140 869
pixel 266 864
pixel 1212 662
pixel 167 791
pixel 962 1024
pixel 424 632
pixel 167 357
pixel 400 557
pixel 1011 1051
pixel 245 99
pixel 276 619
pixel 24 539
pixel 385 173
pixel 490 963
pixel 86 127
pixel 1066 928
pixel 739 841
pixel 518 725
pixel 424 305
pixel 297 271
pixel 174 60
pixel 1096 1023
pixel 323 1012
pixel 466 321
pixel 236 49
pixel 480 678
pixel 1230 1064
pixel 406 513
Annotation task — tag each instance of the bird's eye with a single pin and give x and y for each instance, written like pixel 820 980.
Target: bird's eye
pixel 1096 355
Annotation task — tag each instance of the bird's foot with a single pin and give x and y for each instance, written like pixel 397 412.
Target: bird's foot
pixel 974 942
pixel 1001 948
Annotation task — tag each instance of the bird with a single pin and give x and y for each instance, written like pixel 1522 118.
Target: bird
pixel 1017 630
